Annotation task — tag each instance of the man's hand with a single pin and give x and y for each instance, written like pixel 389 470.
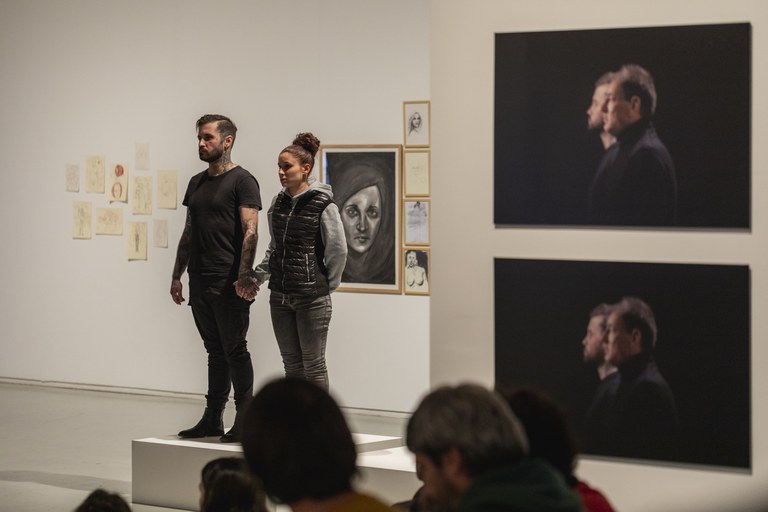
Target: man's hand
pixel 176 291
pixel 246 287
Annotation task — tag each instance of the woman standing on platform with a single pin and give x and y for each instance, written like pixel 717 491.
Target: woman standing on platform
pixel 304 261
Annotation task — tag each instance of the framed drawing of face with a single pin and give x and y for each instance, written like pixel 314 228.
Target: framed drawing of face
pixel 366 182
pixel 416 124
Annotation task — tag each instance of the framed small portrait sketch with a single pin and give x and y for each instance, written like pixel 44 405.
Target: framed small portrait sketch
pixel 366 183
pixel 416 124
pixel 416 172
pixel 416 222
pixel 416 271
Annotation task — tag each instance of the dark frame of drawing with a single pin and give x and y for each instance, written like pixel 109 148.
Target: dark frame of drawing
pixel 546 159
pixel 702 312
pixel 366 182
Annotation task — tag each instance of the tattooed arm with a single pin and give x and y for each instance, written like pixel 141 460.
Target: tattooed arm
pixel 246 286
pixel 182 260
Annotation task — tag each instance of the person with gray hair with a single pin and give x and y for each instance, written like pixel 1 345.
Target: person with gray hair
pixel 635 184
pixel 642 419
pixel 471 454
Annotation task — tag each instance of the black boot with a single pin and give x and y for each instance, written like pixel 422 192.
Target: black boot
pixel 235 433
pixel 211 424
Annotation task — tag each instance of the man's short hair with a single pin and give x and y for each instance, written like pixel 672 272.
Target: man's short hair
pixel 637 81
pixel 224 125
pixel 636 314
pixel 602 310
pixel 295 439
pixel 604 79
pixel 472 419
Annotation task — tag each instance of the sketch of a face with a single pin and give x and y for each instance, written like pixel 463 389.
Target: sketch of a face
pixel 361 215
pixel 117 190
pixel 414 122
pixel 410 259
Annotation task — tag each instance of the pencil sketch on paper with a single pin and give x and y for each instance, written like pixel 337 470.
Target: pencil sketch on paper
pixel 142 195
pixel 161 233
pixel 137 241
pixel 117 183
pixel 142 156
pixel 81 220
pixel 94 174
pixel 73 178
pixel 109 221
pixel 416 222
pixel 166 190
pixel 416 172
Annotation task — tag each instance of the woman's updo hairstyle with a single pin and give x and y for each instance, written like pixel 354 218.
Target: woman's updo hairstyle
pixel 304 148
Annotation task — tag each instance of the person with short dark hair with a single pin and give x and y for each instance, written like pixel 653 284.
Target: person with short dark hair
pixel 103 501
pixel 226 485
pixel 635 184
pixel 642 420
pixel 471 454
pixel 218 247
pixel 297 442
pixel 551 437
pixel 595 114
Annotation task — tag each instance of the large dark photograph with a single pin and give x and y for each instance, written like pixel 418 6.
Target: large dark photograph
pixel 640 127
pixel 651 361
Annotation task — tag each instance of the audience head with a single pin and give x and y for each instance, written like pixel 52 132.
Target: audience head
pixel 226 485
pixel 459 433
pixel 296 440
pixel 550 434
pixel 103 501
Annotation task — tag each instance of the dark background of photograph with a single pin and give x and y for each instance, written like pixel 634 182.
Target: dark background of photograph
pixel 545 158
pixel 703 349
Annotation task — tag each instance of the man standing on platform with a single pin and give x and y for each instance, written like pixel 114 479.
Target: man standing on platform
pixel 218 247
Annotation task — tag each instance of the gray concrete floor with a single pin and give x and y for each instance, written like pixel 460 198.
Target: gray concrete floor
pixel 57 445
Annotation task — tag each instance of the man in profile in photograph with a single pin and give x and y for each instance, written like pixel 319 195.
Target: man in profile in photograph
pixel 642 419
pixel 595 112
pixel 218 247
pixel 635 184
pixel 594 343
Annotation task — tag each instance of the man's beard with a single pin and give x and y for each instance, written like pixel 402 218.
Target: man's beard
pixel 212 156
pixel 446 499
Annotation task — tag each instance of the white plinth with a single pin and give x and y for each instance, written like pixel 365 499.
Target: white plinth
pixel 389 474
pixel 166 470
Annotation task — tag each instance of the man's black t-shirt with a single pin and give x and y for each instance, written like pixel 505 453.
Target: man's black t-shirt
pixel 217 235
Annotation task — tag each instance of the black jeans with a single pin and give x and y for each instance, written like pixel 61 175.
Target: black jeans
pixel 222 320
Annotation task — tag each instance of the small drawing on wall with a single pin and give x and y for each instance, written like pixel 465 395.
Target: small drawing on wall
pixel 166 189
pixel 94 174
pixel 416 217
pixel 142 195
pixel 109 221
pixel 73 178
pixel 416 123
pixel 81 220
pixel 416 171
pixel 117 183
pixel 137 241
pixel 416 271
pixel 142 156
pixel 161 233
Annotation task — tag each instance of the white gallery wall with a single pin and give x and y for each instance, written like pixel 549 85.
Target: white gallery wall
pixel 90 77
pixel 464 236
